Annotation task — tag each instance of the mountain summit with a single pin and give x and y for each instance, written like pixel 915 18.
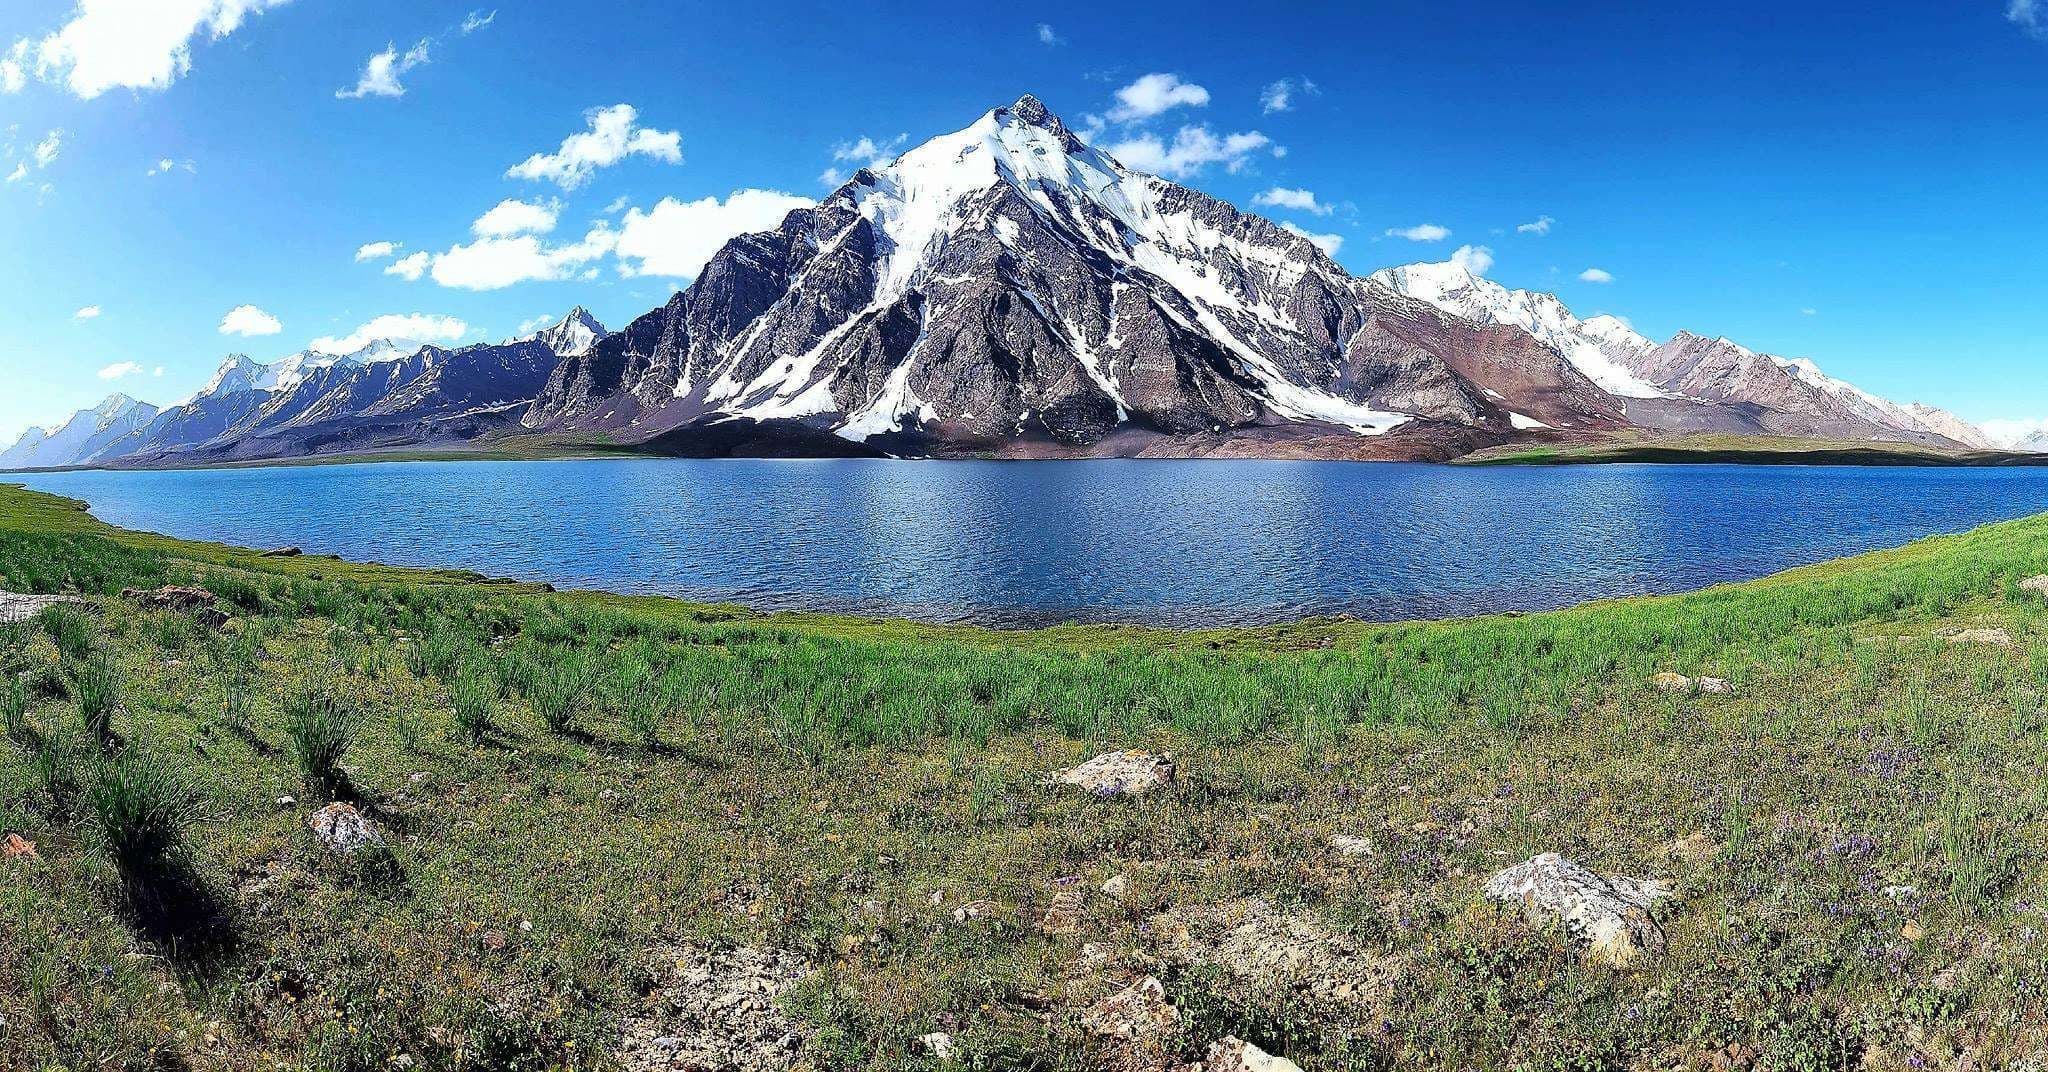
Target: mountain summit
pixel 1008 287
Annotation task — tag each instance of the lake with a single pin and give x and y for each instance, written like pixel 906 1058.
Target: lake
pixel 1011 544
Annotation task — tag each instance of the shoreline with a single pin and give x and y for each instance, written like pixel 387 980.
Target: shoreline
pixel 1705 449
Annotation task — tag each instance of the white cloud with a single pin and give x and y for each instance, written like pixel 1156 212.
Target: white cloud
pixel 1046 36
pixel 1597 275
pixel 1153 94
pixel 14 67
pixel 1421 232
pixel 19 173
pixel 411 266
pixel 90 312
pixel 157 372
pixel 1193 149
pixel 536 323
pixel 1279 96
pixel 167 165
pixel 1475 259
pixel 381 74
pixel 831 176
pixel 119 369
pixel 497 263
pixel 247 320
pixel 46 150
pixel 867 152
pixel 1539 226
pixel 618 205
pixel 1809 312
pixel 1299 200
pixel 375 251
pixel 1328 243
pixel 131 44
pixel 477 20
pixel 415 327
pixel 2028 15
pixel 513 217
pixel 614 134
pixel 675 238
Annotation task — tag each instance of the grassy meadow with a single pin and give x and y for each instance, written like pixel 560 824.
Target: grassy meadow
pixel 574 785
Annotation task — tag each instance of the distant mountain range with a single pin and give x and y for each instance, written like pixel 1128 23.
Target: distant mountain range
pixel 1009 290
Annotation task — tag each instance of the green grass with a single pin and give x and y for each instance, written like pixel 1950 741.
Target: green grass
pixel 572 781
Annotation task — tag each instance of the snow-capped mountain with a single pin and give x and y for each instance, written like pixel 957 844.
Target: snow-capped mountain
pixel 1008 287
pixel 569 336
pixel 387 391
pixel 1690 382
pixel 80 438
pixel 1600 348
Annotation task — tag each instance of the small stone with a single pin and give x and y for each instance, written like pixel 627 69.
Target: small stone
pixel 1997 638
pixel 938 1044
pixel 1717 685
pixel 1233 1054
pixel 1346 845
pixel 1137 1013
pixel 282 552
pixel 1912 932
pixel 1670 682
pixel 1117 886
pixel 2037 584
pixel 287 801
pixel 1610 914
pixel 1063 913
pixel 1127 773
pixel 343 830
pixel 974 910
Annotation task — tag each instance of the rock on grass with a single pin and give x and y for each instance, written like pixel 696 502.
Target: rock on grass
pixel 717 1010
pixel 1127 773
pixel 343 830
pixel 1610 914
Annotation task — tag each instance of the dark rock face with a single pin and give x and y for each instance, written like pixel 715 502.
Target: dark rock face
pixel 1008 284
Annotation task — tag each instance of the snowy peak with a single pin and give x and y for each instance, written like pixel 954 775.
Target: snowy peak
pixel 236 374
pixel 1599 352
pixel 572 335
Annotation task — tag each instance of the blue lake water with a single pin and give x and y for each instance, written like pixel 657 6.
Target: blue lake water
pixel 1006 543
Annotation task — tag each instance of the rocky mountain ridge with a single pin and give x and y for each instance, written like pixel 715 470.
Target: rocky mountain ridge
pixel 1010 290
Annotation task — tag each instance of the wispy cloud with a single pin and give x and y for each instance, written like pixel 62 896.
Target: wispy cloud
pixel 477 20
pixel 1597 275
pixel 1297 199
pixel 1421 232
pixel 1046 36
pixel 1328 243
pixel 1475 259
pixel 1280 96
pixel 375 251
pixel 1192 149
pixel 119 369
pixel 414 327
pixel 615 133
pixel 380 77
pixel 1154 94
pixel 167 165
pixel 1541 225
pixel 2029 15
pixel 90 312
pixel 125 44
pixel 247 321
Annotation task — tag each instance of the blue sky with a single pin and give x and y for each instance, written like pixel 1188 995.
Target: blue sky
pixel 1860 184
